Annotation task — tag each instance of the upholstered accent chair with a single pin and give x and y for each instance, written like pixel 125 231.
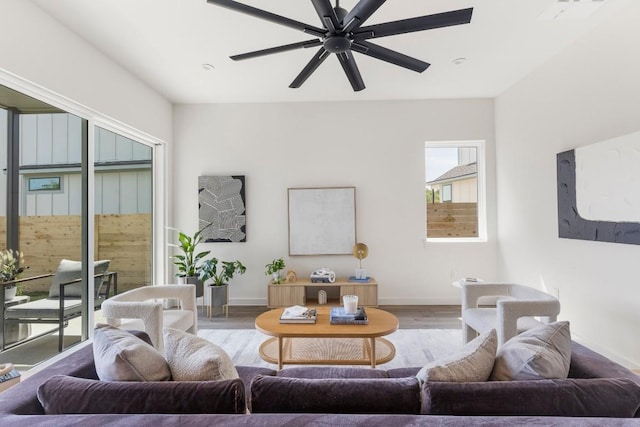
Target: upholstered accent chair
pixel 142 309
pixel 517 308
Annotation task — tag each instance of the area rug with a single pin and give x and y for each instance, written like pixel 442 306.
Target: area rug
pixel 414 347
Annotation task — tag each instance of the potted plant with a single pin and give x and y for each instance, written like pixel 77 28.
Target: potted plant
pixel 187 261
pixel 11 267
pixel 220 273
pixel 274 269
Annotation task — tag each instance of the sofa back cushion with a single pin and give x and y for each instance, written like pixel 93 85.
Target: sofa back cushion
pixel 320 372
pixel 335 395
pixel 599 397
pixel 62 394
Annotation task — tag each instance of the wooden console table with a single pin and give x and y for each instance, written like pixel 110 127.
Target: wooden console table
pixel 288 294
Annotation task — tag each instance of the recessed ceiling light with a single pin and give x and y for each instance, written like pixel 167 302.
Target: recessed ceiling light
pixel 459 61
pixel 208 67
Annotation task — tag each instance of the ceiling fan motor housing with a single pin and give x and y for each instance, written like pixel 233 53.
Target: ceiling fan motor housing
pixel 337 43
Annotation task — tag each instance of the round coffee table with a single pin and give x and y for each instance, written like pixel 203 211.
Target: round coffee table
pixel 322 343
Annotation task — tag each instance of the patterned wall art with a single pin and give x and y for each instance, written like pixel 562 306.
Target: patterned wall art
pixel 221 201
pixel 572 225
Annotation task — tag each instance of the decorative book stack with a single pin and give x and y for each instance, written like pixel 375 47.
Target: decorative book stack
pixel 298 314
pixel 339 317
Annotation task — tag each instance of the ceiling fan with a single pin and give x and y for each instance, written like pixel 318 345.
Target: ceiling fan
pixel 342 33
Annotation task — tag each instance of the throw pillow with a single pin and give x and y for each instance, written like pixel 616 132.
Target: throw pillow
pixel 539 353
pixel 192 358
pixel 121 356
pixel 473 363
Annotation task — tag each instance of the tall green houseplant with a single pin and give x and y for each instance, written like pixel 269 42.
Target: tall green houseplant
pixel 187 261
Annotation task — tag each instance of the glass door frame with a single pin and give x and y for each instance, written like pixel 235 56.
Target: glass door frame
pixel 94 119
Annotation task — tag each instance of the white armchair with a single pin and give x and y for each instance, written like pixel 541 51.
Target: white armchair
pixel 141 309
pixel 515 309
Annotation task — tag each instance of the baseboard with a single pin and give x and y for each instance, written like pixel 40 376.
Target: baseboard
pixel 248 301
pixel 418 301
pixel 381 301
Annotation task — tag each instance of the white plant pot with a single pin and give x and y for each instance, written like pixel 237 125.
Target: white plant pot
pixel 10 293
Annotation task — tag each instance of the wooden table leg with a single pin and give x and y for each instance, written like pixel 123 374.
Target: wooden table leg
pixel 280 343
pixel 373 352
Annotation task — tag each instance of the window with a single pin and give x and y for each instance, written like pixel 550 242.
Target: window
pixel 44 184
pixel 454 191
pixel 446 193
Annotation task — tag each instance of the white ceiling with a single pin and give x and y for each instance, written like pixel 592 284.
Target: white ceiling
pixel 165 43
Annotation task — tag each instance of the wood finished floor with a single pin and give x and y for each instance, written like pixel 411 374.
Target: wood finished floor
pixel 409 316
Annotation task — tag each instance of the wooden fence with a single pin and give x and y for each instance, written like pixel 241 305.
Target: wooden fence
pixel 452 220
pixel 125 240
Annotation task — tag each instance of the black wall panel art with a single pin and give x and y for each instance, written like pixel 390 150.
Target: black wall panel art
pixel 221 202
pixel 571 225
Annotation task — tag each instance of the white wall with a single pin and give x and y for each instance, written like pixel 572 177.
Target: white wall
pixel 40 50
pixel 589 93
pixel 378 147
pixel 40 56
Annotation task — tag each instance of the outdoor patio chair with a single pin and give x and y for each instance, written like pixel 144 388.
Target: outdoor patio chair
pixel 65 298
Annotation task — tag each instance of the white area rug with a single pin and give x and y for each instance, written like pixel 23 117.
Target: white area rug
pixel 414 347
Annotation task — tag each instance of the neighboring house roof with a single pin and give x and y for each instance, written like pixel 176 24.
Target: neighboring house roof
pixel 460 171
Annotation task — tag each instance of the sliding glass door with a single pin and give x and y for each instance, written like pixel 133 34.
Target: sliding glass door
pixel 123 222
pixel 69 192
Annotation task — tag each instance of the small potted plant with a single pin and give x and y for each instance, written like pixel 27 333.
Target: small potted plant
pixel 274 269
pixel 220 274
pixel 11 267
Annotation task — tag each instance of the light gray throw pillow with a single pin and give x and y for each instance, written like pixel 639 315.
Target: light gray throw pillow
pixel 539 353
pixel 192 358
pixel 471 364
pixel 121 356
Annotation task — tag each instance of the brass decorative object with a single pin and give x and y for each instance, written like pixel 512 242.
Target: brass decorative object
pixel 360 251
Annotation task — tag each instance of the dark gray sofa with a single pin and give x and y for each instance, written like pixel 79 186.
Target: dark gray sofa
pixel 598 392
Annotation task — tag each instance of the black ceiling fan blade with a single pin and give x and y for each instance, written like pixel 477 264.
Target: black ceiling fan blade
pixel 350 68
pixel 360 13
pixel 268 16
pixel 428 22
pixel 311 66
pixel 388 55
pixel 277 49
pixel 327 14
